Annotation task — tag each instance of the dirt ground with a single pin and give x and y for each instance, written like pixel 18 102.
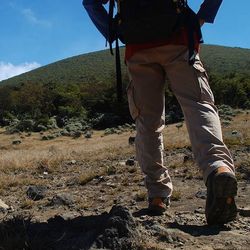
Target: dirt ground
pixel 79 183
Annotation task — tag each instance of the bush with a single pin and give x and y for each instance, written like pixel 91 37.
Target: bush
pixel 105 120
pixel 26 125
pixel 40 128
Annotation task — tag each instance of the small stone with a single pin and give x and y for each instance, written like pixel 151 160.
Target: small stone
pixel 132 202
pixel 69 216
pixel 36 193
pixel 131 140
pixel 62 199
pixel 130 162
pixel 199 210
pixel 3 206
pixel 122 163
pixel 202 194
pixel 180 244
pixel 112 185
pixel 179 125
pixel 45 138
pixel 101 179
pixel 88 134
pixel 77 134
pixel 16 142
pixel 187 158
pixel 141 184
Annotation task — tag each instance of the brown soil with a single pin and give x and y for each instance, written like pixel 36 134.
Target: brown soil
pixel 93 175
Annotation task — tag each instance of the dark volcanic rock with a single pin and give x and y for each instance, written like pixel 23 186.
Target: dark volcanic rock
pixel 120 231
pixel 187 157
pixel 131 140
pixel 130 162
pixel 116 230
pixel 36 193
pixel 16 142
pixel 202 194
pixel 62 199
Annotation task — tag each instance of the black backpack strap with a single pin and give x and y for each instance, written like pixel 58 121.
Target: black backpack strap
pixel 111 15
pixel 114 37
pixel 194 33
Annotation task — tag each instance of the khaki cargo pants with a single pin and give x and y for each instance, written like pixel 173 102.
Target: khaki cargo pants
pixel 148 70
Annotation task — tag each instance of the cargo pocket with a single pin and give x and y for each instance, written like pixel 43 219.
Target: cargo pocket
pixel 206 93
pixel 134 112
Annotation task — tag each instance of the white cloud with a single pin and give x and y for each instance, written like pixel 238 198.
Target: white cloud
pixel 8 70
pixel 32 18
pixel 29 15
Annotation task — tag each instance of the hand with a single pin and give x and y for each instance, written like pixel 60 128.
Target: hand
pixel 202 21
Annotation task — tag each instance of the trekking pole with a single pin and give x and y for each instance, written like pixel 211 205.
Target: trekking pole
pixel 118 72
pixel 111 15
pixel 113 35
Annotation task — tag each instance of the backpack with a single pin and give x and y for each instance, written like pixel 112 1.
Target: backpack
pixel 144 21
pixel 140 21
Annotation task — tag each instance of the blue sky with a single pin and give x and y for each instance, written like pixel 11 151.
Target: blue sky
pixel 39 32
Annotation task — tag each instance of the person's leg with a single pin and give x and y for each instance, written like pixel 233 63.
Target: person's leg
pixel 190 86
pixel 146 103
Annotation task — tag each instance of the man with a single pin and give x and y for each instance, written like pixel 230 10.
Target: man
pixel 148 65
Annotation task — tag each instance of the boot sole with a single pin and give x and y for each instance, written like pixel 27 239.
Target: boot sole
pixel 223 208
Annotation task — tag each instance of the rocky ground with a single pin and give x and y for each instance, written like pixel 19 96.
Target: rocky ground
pixel 89 194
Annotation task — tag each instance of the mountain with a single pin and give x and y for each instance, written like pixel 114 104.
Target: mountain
pixel 95 67
pixel 99 67
pixel 224 60
pixel 84 86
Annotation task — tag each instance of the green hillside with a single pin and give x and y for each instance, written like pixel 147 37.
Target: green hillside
pixel 84 87
pixel 223 60
pixel 98 67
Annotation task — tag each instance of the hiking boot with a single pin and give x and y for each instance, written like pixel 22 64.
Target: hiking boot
pixel 158 205
pixel 220 203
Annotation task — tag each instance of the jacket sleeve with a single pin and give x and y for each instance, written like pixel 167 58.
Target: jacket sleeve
pixel 209 9
pixel 98 15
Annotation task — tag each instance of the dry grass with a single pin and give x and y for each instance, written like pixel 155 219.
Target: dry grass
pixel 110 170
pixel 32 151
pixel 27 203
pixel 10 181
pixel 88 174
pixel 176 195
pixel 86 177
pixel 150 245
pixel 141 195
pixel 241 125
pixel 175 138
pixel 18 163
